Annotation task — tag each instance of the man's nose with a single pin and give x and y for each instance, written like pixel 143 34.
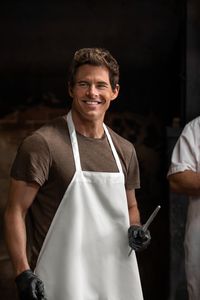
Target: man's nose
pixel 92 91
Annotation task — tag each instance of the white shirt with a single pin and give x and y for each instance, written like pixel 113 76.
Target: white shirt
pixel 186 153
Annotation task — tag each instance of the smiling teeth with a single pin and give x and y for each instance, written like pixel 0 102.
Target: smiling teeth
pixel 92 102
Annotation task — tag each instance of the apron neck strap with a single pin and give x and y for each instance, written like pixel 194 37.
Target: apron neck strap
pixel 73 138
pixel 75 148
pixel 113 149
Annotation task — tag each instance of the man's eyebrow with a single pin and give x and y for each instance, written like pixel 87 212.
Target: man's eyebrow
pixel 103 82
pixel 88 81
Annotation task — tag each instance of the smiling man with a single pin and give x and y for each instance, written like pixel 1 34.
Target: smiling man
pixel 76 179
pixel 92 94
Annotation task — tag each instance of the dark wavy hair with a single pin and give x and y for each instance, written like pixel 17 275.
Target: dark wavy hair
pixel 94 57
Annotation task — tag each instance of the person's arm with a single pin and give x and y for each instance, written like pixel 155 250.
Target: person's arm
pixel 186 182
pixel 21 196
pixel 134 214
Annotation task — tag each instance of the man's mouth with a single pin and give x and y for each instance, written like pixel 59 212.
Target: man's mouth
pixel 92 102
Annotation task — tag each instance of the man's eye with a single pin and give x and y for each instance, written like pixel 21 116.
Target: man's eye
pixel 101 86
pixel 82 84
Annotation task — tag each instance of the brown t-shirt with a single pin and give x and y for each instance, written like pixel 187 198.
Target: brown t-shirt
pixel 46 158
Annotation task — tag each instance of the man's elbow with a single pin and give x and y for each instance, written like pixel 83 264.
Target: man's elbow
pixel 174 187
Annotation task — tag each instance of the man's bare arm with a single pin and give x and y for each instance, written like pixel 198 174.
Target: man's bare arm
pixel 187 182
pixel 21 196
pixel 134 214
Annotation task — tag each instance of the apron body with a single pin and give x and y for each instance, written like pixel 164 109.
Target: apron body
pixel 85 252
pixel 192 249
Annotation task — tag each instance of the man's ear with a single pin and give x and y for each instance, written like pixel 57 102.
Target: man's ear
pixel 70 90
pixel 115 92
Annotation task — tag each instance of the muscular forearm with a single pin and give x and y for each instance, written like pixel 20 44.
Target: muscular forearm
pixel 15 234
pixel 134 215
pixel 187 182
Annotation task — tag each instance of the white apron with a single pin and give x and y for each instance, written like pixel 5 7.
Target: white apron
pixel 85 252
pixel 192 249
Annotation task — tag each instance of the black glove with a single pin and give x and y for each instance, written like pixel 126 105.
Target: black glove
pixel 138 238
pixel 29 286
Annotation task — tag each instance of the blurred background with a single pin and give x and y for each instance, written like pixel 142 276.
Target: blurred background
pixel 157 46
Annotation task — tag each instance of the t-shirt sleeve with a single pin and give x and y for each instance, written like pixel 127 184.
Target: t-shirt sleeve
pixel 184 155
pixel 133 174
pixel 32 161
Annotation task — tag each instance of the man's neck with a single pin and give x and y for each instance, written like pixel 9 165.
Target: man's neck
pixel 89 128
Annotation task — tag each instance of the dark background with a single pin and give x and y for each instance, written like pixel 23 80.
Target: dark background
pixel 38 39
pixel 157 46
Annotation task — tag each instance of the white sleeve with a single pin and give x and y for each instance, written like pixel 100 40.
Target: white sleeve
pixel 185 153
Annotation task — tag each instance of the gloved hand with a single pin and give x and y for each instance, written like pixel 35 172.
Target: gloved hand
pixel 138 238
pixel 29 286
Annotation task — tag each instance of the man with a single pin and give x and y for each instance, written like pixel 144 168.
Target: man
pixel 76 178
pixel 184 178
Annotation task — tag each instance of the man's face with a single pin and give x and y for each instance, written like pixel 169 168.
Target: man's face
pixel 92 92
